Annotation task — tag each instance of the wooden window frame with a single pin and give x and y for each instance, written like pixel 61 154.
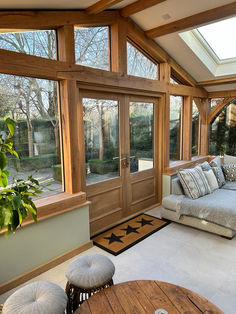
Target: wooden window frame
pixel 146 54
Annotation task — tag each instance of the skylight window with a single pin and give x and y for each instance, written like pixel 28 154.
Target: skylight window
pixel 220 37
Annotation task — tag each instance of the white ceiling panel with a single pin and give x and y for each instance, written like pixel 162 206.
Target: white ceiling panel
pixel 45 4
pixel 153 17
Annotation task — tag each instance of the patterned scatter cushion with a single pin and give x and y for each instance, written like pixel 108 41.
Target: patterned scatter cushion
pixel 230 172
pixel 205 166
pixel 229 159
pixel 219 176
pixel 211 179
pixel 194 182
pixel 216 162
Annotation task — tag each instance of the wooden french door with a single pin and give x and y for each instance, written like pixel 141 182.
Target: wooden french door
pixel 120 155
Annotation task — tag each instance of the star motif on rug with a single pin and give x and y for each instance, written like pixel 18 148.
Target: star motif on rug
pixel 130 229
pixel 114 238
pixel 144 222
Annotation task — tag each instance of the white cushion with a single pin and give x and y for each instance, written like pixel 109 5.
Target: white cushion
pixel 211 179
pixel 229 159
pixel 40 297
pixel 90 271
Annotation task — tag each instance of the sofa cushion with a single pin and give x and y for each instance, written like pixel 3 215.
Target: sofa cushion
pixel 229 159
pixel 229 185
pixel 194 182
pixel 172 202
pixel 229 172
pixel 205 166
pixel 216 162
pixel 219 176
pixel 176 187
pixel 211 179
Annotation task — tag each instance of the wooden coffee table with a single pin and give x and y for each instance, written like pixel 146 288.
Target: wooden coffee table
pixel 146 296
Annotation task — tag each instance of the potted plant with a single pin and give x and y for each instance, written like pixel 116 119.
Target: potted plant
pixel 16 199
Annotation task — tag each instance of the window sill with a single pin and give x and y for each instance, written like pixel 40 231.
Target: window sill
pixel 176 165
pixel 51 206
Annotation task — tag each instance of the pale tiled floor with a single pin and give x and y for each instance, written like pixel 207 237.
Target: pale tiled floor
pixel 200 261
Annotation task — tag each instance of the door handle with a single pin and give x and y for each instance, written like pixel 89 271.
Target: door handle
pixel 122 160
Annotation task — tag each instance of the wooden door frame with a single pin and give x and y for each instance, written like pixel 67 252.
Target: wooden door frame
pixel 121 212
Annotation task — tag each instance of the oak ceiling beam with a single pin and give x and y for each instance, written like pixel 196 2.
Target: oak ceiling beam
pixel 194 20
pixel 54 19
pixel 138 6
pixel 101 6
pixel 229 80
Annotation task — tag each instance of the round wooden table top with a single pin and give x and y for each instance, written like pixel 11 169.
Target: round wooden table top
pixel 146 296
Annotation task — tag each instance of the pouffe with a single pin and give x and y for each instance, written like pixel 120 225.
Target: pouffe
pixel 87 275
pixel 40 297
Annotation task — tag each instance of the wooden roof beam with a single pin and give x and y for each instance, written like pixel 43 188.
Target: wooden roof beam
pixel 194 20
pixel 138 6
pixel 229 80
pixel 101 6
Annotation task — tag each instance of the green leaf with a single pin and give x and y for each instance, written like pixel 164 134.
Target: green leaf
pixel 7 173
pixel 11 125
pixel 3 180
pixel 3 160
pixel 30 209
pixel 16 201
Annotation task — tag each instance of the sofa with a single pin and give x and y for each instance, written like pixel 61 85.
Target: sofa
pixel 214 212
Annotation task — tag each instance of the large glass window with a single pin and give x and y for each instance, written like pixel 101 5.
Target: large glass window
pixel 101 133
pixel 92 47
pixel 33 104
pixel 36 43
pixel 195 130
pixel 139 65
pixel 141 136
pixel 223 131
pixel 176 113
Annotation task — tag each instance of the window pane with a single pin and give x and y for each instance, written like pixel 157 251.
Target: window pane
pixel 32 103
pixel 173 81
pixel 36 43
pixel 92 47
pixel 213 102
pixel 223 131
pixel 176 106
pixel 139 65
pixel 195 130
pixel 101 134
pixel 141 136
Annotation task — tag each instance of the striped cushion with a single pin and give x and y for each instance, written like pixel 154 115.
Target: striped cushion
pixel 194 182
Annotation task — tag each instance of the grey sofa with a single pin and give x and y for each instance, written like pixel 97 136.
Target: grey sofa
pixel 171 208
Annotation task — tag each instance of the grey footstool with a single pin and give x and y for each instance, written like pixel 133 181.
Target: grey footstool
pixel 87 275
pixel 40 297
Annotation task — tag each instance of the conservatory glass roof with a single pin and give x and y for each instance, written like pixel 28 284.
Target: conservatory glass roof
pixel 220 39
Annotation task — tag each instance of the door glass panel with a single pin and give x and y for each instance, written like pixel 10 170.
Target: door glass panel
pixel 101 132
pixel 141 136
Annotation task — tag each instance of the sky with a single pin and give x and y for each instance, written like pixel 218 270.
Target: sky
pixel 221 36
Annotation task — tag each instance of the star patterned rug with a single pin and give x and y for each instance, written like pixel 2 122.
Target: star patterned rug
pixel 123 236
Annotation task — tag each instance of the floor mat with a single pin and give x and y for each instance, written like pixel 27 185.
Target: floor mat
pixel 123 236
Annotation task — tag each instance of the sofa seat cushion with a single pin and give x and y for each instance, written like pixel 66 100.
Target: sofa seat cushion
pixel 218 207
pixel 172 202
pixel 229 185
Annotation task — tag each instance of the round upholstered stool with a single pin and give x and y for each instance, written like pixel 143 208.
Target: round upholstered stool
pixel 40 297
pixel 87 275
